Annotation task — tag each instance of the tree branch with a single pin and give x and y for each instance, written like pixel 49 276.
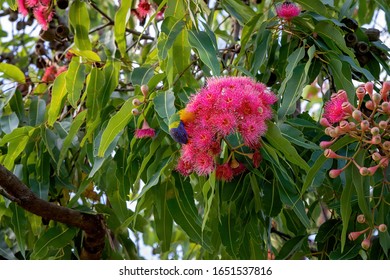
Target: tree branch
pixel 92 225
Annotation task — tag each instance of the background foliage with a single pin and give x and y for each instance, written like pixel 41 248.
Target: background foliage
pixel 71 138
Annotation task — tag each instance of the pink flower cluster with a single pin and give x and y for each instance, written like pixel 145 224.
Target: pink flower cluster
pixel 42 10
pixel 227 105
pixel 52 72
pixel 287 10
pixel 333 109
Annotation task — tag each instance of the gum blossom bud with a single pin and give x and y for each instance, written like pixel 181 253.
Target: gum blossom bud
pixel 386 145
pixel 382 228
pixel 355 234
pixel 364 171
pixel 369 86
pixel 326 144
pixel 135 112
pixel 376 98
pixel 328 153
pixel 386 107
pixel 374 131
pixel 376 156
pixel 370 105
pixel 375 140
pixel 357 115
pixel 383 125
pixel 366 244
pixel 372 169
pixel 136 102
pixel 347 108
pixel 344 126
pixel 361 219
pixel 360 93
pixel 364 125
pixel 334 173
pixel 324 122
pixel 352 126
pixel 145 90
pixel 385 90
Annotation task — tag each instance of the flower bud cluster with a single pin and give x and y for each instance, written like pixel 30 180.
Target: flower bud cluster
pixel 366 243
pixel 145 131
pixel 367 122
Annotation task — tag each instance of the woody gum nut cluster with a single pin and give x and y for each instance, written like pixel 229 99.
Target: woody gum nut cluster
pixel 366 243
pixel 368 123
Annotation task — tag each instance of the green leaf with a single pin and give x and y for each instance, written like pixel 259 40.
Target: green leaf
pixel 276 139
pixel 121 18
pixel 170 28
pixel 296 137
pixel 345 205
pixel 321 160
pixel 201 41
pixel 237 9
pixel 9 122
pixel 164 104
pixel 291 247
pixel 57 98
pixel 79 19
pixel 12 72
pixel 270 201
pixel 15 148
pixel 37 111
pixel 348 253
pixel 327 230
pixel 362 187
pixel 76 124
pixel 95 85
pixel 162 217
pixel 230 234
pixel 75 78
pixel 111 78
pixel 88 55
pixel 19 226
pixel 53 238
pixel 315 6
pixel 293 60
pixel 142 75
pixel 182 207
pixel 115 125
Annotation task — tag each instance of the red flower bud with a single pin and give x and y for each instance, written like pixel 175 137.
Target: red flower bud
pixel 344 126
pixel 372 170
pixel 361 219
pixel 136 102
pixel 145 90
pixel 369 87
pixel 374 131
pixel 364 171
pixel 370 105
pixel 324 122
pixel 366 244
pixel 376 156
pixel 364 125
pixel 382 228
pixel 326 144
pixel 376 98
pixel 383 125
pixel 334 173
pixel 360 93
pixel 347 108
pixel 357 115
pixel 135 112
pixel 375 140
pixel 328 153
pixel 386 107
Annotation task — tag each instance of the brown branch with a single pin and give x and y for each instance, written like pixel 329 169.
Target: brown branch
pixel 92 225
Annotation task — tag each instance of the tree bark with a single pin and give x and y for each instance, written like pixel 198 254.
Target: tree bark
pixel 92 225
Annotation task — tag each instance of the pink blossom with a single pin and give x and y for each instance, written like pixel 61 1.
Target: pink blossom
pixel 43 15
pixel 22 7
pixel 224 172
pixel 287 10
pixel 32 3
pixel 45 2
pixel 333 109
pixel 225 106
pixel 143 8
pixel 184 167
pixel 145 132
pixel 50 74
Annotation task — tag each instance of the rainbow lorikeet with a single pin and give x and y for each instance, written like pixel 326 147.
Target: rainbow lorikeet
pixel 177 126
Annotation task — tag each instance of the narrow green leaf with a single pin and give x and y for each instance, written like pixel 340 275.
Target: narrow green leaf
pixel 15 148
pixel 88 55
pixel 57 98
pixel 230 233
pixel 296 137
pixel 121 18
pixel 314 6
pixel 9 122
pixel 362 187
pixel 19 226
pixel 321 160
pixel 95 85
pixel 12 72
pixel 182 207
pixel 292 62
pixel 142 75
pixel 239 10
pixel 171 28
pixel 345 205
pixel 164 104
pixel 349 253
pixel 291 247
pixel 276 139
pixel 201 41
pixel 79 19
pixel 162 217
pixel 53 238
pixel 115 125
pixel 327 230
pixel 75 77
pixel 76 124
pixel 37 111
pixel 111 78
